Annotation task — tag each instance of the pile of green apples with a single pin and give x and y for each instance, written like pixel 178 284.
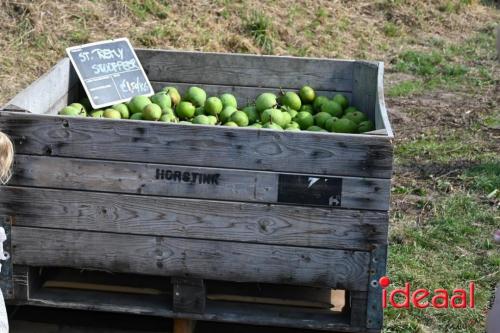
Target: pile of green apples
pixel 290 111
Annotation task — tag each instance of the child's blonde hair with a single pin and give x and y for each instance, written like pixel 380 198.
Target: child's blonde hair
pixel 6 158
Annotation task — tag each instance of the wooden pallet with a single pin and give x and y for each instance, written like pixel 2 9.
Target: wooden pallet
pixel 202 203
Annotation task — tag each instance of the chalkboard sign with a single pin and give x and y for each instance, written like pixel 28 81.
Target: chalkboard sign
pixel 310 190
pixel 110 72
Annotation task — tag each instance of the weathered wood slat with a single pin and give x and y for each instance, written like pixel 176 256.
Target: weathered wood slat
pixel 244 95
pixel 201 219
pixel 246 70
pixel 154 255
pixel 210 146
pixel 364 88
pixel 145 179
pixel 73 95
pixel 48 92
pixel 180 181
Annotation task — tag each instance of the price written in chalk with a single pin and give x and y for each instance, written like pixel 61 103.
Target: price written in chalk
pixel 134 87
pixel 110 72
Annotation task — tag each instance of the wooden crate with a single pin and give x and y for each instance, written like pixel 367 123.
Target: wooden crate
pixel 201 203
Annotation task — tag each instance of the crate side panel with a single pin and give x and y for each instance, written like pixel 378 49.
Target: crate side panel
pixel 51 91
pixel 200 219
pixel 247 70
pixel 217 260
pixel 211 146
pixel 186 182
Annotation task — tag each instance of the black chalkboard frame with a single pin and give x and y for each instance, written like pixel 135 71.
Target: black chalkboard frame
pixel 82 78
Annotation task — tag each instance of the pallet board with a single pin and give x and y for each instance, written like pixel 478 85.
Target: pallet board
pixel 267 315
pixel 195 204
pixel 155 255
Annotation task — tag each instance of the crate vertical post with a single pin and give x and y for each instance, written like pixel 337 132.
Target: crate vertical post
pixel 189 295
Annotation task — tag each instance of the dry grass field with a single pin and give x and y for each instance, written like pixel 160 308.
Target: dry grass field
pixel 442 90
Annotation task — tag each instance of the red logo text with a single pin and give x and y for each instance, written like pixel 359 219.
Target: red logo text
pixel 422 298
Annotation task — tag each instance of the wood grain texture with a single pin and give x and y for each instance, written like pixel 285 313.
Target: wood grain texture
pixel 141 178
pixel 364 92
pixel 73 95
pixel 244 95
pixel 201 219
pixel 230 312
pixel 217 260
pixel 49 91
pixel 179 181
pixel 246 70
pixel 198 145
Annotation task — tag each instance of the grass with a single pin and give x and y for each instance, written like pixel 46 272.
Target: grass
pixel 444 240
pixel 447 65
pixel 406 88
pixel 259 27
pixel 436 148
pixel 459 233
pixel 484 177
pixel 392 30
pixel 441 237
pixel 143 8
pixel 154 36
pixel 442 74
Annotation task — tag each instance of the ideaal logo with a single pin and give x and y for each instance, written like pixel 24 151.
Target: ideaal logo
pixel 422 298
